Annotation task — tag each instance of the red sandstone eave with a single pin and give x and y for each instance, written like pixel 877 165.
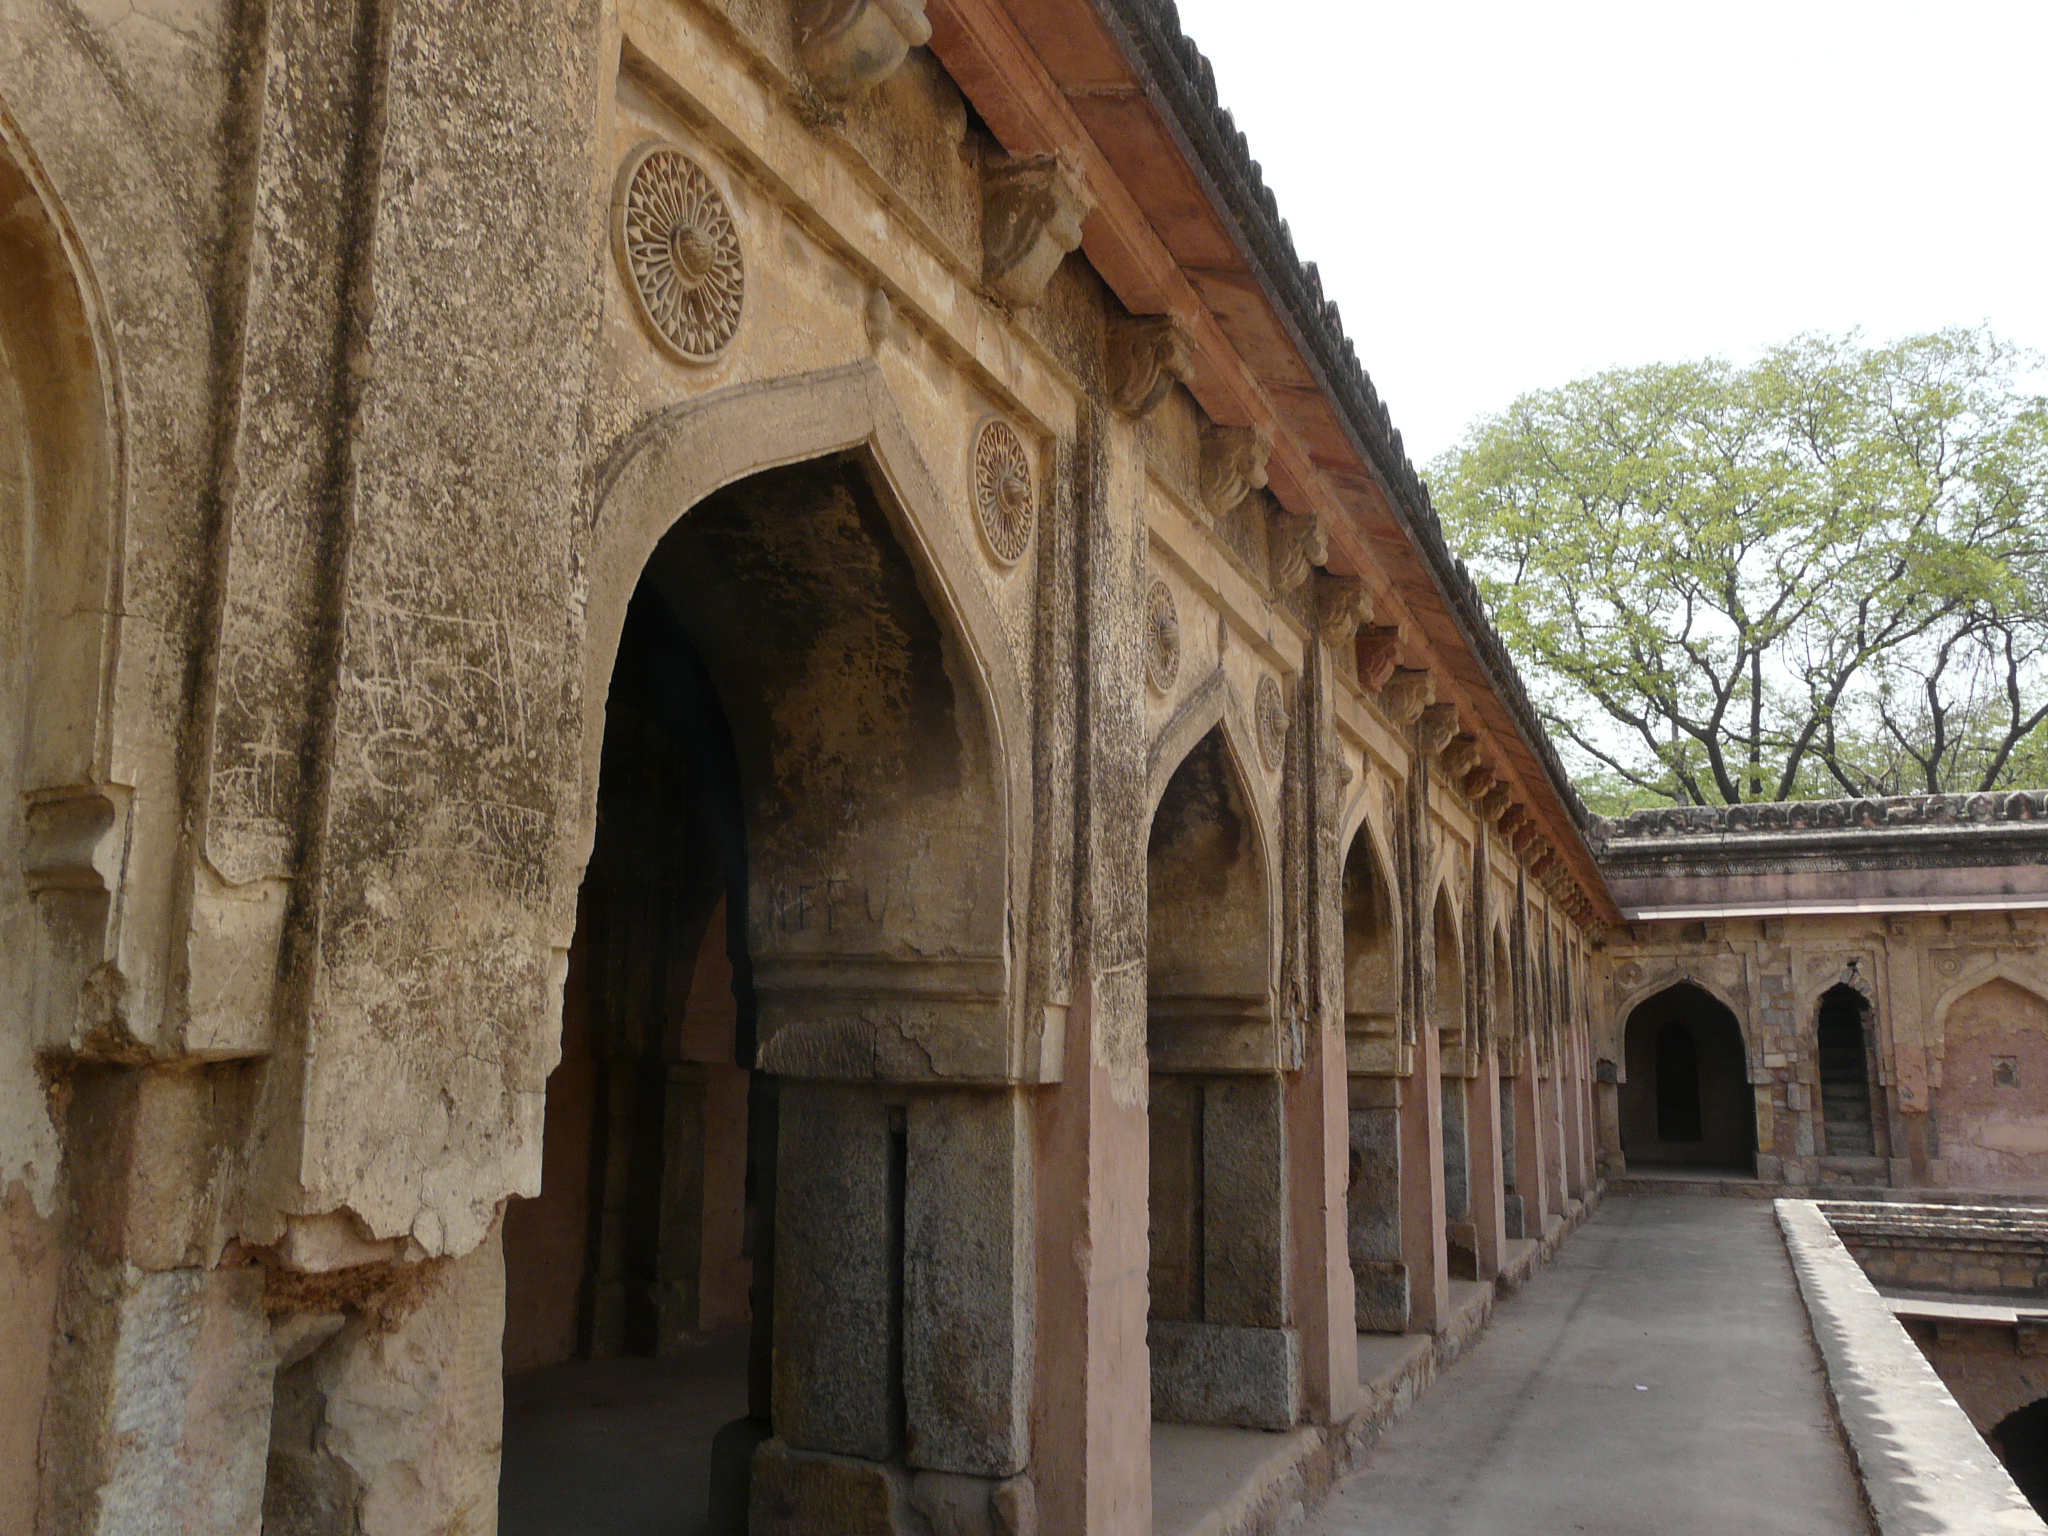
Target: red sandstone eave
pixel 1048 75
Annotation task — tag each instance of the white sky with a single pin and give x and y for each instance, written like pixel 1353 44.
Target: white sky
pixel 1507 196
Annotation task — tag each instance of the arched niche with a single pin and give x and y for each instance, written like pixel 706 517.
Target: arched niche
pixel 1449 1004
pixel 1372 959
pixel 1686 1099
pixel 1209 955
pixel 60 818
pixel 1501 973
pixel 794 535
pixel 59 595
pixel 1852 1119
pixel 1988 1108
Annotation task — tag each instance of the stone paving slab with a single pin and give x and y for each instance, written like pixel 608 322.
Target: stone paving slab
pixel 1658 1377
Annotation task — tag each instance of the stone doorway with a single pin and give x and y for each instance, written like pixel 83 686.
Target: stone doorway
pixel 1849 1121
pixel 1686 1100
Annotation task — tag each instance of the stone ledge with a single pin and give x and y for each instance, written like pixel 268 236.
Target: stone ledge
pixel 1924 1468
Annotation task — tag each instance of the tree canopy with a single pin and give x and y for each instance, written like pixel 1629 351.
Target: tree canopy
pixel 1824 573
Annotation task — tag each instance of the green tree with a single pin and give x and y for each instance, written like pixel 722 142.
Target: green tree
pixel 1824 573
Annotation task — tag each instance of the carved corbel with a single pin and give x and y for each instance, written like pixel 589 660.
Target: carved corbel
pixel 1031 213
pixel 1435 727
pixel 1524 837
pixel 1297 545
pixel 1494 803
pixel 1342 604
pixel 1406 694
pixel 1147 355
pixel 1379 653
pixel 1233 466
pixel 1478 781
pixel 1460 756
pixel 848 47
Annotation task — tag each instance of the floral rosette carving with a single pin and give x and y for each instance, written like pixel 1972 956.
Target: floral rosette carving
pixel 1004 502
pixel 1270 713
pixel 680 251
pixel 1162 638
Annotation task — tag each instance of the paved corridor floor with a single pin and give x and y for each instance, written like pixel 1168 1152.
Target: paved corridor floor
pixel 1657 1380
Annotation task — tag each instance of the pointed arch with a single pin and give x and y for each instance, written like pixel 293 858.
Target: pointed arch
pixel 869 959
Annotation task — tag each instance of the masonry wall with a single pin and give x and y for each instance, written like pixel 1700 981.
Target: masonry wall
pixel 1949 984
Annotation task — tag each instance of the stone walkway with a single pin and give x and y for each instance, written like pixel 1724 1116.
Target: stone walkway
pixel 1657 1380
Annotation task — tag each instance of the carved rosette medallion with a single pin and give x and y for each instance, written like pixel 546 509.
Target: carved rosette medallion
pixel 1271 715
pixel 680 251
pixel 1162 638
pixel 1004 503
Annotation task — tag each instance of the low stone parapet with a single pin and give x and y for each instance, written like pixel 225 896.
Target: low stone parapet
pixel 1925 1470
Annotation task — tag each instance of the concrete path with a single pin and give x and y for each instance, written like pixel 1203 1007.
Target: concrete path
pixel 1657 1380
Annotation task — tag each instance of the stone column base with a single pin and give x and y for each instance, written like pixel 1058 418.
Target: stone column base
pixel 810 1493
pixel 1210 1373
pixel 1382 1296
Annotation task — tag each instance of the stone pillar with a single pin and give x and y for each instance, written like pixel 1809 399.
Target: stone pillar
pixel 1572 1088
pixel 388 1419
pixel 1487 1197
pixel 1373 1206
pixel 967 1282
pixel 1092 1424
pixel 160 1366
pixel 1552 1090
pixel 1093 1440
pixel 1422 1193
pixel 1318 1125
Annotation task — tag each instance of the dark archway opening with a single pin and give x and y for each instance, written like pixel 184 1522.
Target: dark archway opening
pixel 627 1278
pixel 1678 1084
pixel 1843 1043
pixel 2021 1441
pixel 796 786
pixel 1372 1047
pixel 1686 1101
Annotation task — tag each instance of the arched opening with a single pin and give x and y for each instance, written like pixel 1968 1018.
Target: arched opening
pixel 1372 1042
pixel 1451 1011
pixel 2021 1441
pixel 1990 1112
pixel 1849 1122
pixel 1218 1161
pixel 795 807
pixel 59 597
pixel 1686 1101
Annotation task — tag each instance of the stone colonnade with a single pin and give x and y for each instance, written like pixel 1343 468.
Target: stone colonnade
pixel 1159 946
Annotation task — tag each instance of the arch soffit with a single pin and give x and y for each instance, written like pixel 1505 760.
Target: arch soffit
pixel 1999 969
pixel 676 457
pixel 1625 1009
pixel 91 507
pixel 1215 702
